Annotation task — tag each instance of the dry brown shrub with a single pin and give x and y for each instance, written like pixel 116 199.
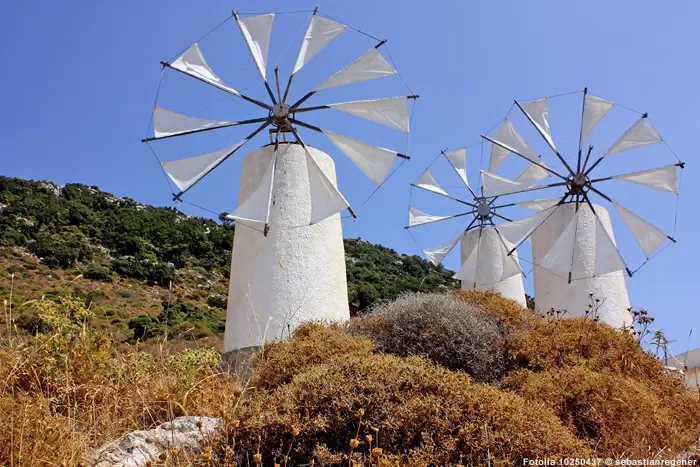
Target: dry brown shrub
pixel 451 332
pixel 618 416
pixel 312 344
pixel 59 398
pixel 418 408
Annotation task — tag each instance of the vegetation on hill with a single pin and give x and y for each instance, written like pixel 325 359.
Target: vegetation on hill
pixel 568 388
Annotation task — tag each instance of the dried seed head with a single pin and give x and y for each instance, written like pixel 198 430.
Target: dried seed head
pixel 376 452
pixel 361 412
pixel 369 438
pixel 257 458
pixel 354 443
pixel 163 456
pixel 199 424
pixel 295 431
pixel 235 423
pixel 237 392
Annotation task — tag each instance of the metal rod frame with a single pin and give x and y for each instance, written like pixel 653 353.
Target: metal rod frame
pixel 202 130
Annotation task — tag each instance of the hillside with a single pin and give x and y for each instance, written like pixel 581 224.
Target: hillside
pixel 145 268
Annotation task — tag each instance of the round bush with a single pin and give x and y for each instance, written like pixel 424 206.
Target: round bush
pixel 451 332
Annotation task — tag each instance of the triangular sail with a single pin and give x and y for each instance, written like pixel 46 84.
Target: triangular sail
pixel 479 268
pixel 640 134
pixel 458 159
pixel 416 217
pixel 256 31
pixel 256 208
pixel 192 63
pixel 495 185
pixel 326 200
pixel 662 178
pixel 468 271
pixel 539 204
pixel 369 66
pixel 516 232
pixel 186 172
pixel 374 161
pixel 533 173
pixel 320 33
pixel 392 112
pixel 649 238
pixel 594 109
pixel 509 137
pixel 168 123
pixel 607 258
pixel 538 110
pixel 438 253
pixel 427 182
pixel 560 256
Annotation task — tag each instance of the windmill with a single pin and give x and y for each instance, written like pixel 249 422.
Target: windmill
pixel 288 262
pixel 575 255
pixel 485 260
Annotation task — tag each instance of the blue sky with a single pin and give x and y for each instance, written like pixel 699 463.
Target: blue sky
pixel 80 79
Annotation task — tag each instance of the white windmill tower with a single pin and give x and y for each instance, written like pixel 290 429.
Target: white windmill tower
pixel 485 262
pixel 288 263
pixel 574 252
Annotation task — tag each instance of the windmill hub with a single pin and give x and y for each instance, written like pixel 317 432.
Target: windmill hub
pixel 578 183
pixel 280 111
pixel 483 209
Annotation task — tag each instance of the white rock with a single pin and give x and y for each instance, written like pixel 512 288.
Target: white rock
pixel 137 448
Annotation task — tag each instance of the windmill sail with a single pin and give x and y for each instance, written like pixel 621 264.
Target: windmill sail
pixel 560 257
pixel 320 33
pixel 539 204
pixel 186 172
pixel 495 185
pixel 516 232
pixel 594 109
pixel 168 123
pixel 481 267
pixel 438 253
pixel 192 63
pixel 538 110
pixel 416 217
pixel 369 66
pixel 256 207
pixel 662 178
pixel 256 31
pixel 533 173
pixel 607 257
pixel 638 135
pixel 648 237
pixel 427 182
pixel 374 161
pixel 458 161
pixel 326 200
pixel 392 112
pixel 508 137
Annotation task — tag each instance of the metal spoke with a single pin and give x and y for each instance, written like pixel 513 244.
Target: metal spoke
pixel 543 137
pixel 502 217
pixel 201 130
pixel 330 106
pixel 248 138
pixel 308 153
pixel 440 220
pixel 580 135
pixel 272 183
pixel 277 81
pixel 509 149
pixel 455 168
pixel 446 196
pixel 291 77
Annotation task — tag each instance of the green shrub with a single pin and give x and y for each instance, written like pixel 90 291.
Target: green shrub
pixel 98 272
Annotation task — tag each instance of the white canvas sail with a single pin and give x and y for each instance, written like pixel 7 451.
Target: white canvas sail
pixel 320 33
pixel 495 185
pixel 640 134
pixel 369 66
pixel 427 182
pixel 594 109
pixel 458 159
pixel 516 232
pixel 256 31
pixel 168 123
pixel 186 172
pixel 509 137
pixel 538 111
pixel 326 200
pixel 533 173
pixel 649 238
pixel 438 253
pixel 192 63
pixel 539 204
pixel 607 258
pixel 392 112
pixel 256 208
pixel 661 178
pixel 374 161
pixel 560 256
pixel 416 217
